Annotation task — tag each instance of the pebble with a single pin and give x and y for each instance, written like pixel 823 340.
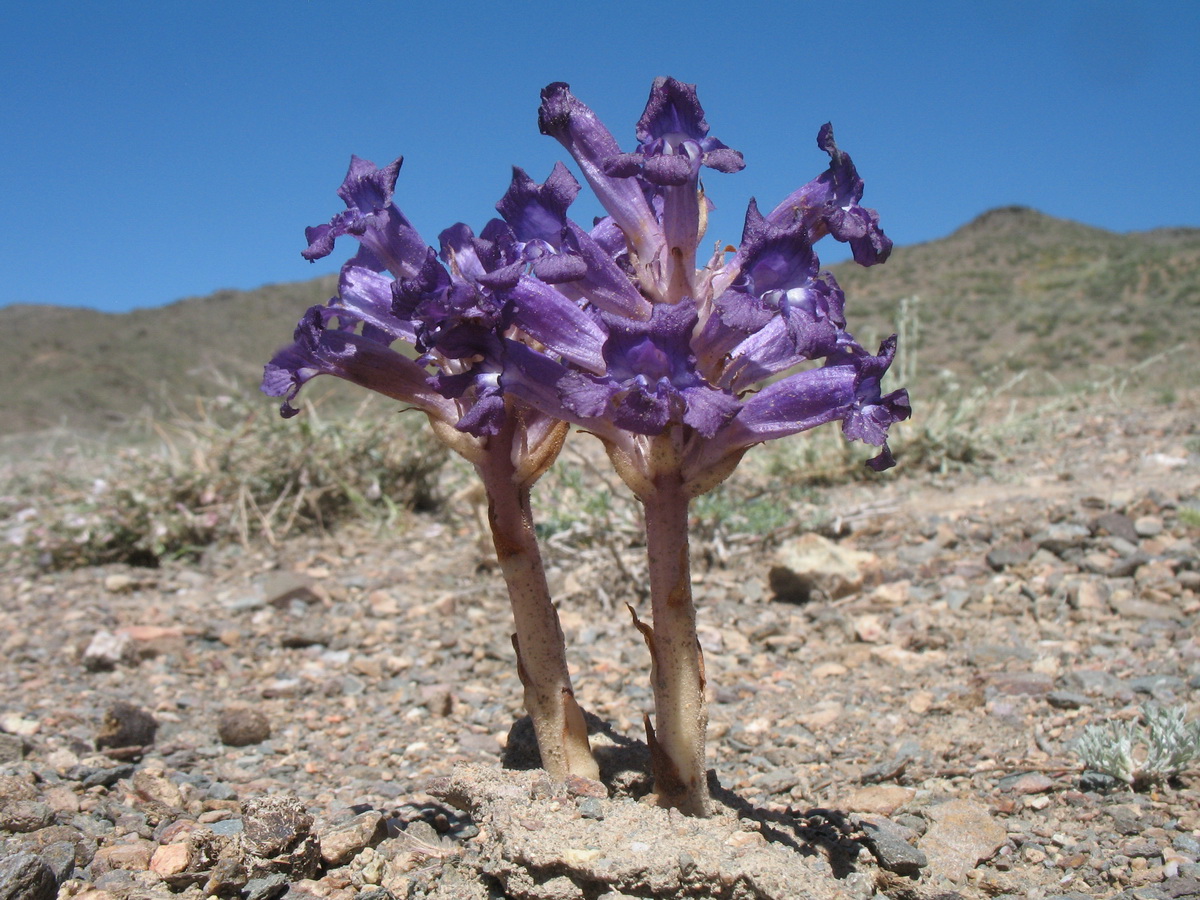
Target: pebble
pixel 23 876
pixel 106 651
pixel 343 841
pixel 962 835
pixel 413 674
pixel 243 726
pixel 126 725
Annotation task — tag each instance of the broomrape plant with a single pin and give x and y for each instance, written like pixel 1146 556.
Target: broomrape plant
pixel 536 324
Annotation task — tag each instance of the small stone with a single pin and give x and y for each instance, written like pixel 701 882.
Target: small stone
pixel 1133 608
pixel 779 781
pixel 1067 700
pixel 1061 536
pixel 1021 683
pixel 1115 524
pixel 59 857
pixel 118 583
pixel 24 816
pixel 131 857
pixel 126 725
pixel 880 799
pixel 242 726
pixel 889 843
pixel 171 859
pixel 269 887
pixel 25 877
pixel 1007 555
pixel 19 725
pixel 12 749
pixel 591 808
pixel 1090 594
pixel 812 565
pixel 342 842
pixel 1026 783
pixel 281 588
pixel 869 628
pixel 106 651
pixel 1148 526
pixel 963 835
pixel 579 786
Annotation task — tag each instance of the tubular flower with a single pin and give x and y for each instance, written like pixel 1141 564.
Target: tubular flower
pixel 457 310
pixel 713 335
pixel 678 368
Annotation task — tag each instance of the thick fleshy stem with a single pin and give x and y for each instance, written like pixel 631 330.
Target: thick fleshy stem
pixel 676 660
pixel 557 718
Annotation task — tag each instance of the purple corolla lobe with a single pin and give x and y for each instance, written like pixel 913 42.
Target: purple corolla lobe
pixel 829 204
pixel 673 140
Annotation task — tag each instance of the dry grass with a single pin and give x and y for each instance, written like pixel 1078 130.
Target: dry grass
pixel 228 470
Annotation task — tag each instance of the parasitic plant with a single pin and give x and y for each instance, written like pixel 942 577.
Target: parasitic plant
pixel 678 368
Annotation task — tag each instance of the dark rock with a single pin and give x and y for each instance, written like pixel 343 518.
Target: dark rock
pixel 242 726
pixel 24 816
pixel 1125 820
pixel 301 638
pixel 887 842
pixel 25 877
pixel 12 749
pixel 1060 537
pixel 779 781
pixel 1126 566
pixel 268 888
pixel 1185 887
pixel 226 878
pixel 591 808
pixel 59 857
pixel 893 768
pixel 1143 847
pixel 1159 686
pixel 41 841
pixel 1098 782
pixel 1067 700
pixel 126 725
pixel 1011 554
pixel 1115 524
pixel 91 777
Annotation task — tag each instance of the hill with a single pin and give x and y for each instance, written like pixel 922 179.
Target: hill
pixel 1019 290
pixel 1012 290
pixel 79 368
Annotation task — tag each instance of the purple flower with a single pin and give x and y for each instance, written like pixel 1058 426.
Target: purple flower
pixel 535 322
pixel 717 333
pixel 615 329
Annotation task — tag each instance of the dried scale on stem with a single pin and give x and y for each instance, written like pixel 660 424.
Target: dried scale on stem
pixel 535 324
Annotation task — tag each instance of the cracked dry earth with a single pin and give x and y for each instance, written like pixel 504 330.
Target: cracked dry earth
pixel 893 704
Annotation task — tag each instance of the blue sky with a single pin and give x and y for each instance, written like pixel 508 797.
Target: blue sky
pixel 152 151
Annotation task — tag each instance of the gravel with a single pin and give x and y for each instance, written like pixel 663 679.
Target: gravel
pixel 331 717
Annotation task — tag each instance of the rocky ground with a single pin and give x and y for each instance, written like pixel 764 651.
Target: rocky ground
pixel 893 704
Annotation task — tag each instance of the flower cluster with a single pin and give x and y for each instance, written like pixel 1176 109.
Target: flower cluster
pixel 677 367
pixel 612 329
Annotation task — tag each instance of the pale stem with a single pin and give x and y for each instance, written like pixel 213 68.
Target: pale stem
pixel 541 651
pixel 677 663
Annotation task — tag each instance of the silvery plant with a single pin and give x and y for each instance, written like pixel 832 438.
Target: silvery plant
pixel 678 365
pixel 1139 756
